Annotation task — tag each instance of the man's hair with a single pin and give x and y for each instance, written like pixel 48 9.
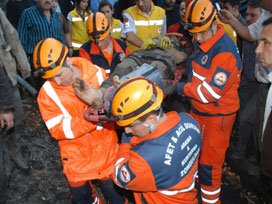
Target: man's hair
pixel 104 3
pixel 267 22
pixel 232 2
pixel 254 4
pixel 181 1
pixel 156 112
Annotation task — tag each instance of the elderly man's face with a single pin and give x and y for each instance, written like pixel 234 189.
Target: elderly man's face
pixel 44 4
pixel 264 49
pixel 144 5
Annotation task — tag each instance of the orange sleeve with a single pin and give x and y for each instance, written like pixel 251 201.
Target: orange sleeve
pixel 132 171
pixel 223 65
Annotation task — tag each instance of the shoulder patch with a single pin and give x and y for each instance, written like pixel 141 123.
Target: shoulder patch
pixel 220 78
pixel 125 175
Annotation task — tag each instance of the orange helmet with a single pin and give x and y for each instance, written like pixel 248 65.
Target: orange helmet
pixel 199 15
pixel 136 97
pixel 48 57
pixel 98 26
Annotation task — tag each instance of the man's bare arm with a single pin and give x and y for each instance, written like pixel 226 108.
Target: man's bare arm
pixel 132 38
pixel 241 30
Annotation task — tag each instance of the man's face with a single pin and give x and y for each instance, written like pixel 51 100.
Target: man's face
pixel 44 4
pixel 144 5
pixel 182 11
pixel 264 49
pixel 252 15
pixel 203 36
pixel 234 10
pixel 170 3
pixel 137 130
pixel 64 77
pixel 107 11
pixel 104 43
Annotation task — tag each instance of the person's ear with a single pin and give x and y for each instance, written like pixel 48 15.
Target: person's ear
pixel 151 119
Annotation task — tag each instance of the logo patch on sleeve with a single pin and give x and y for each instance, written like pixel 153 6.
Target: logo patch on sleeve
pixel 125 176
pixel 220 78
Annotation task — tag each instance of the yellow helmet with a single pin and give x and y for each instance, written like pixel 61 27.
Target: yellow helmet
pixel 48 57
pixel 98 26
pixel 199 15
pixel 136 97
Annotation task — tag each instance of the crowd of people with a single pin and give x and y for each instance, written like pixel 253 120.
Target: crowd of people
pixel 114 117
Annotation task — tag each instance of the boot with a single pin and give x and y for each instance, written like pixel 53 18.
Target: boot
pixel 15 151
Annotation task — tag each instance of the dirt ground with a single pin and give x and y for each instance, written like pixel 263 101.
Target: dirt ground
pixel 46 184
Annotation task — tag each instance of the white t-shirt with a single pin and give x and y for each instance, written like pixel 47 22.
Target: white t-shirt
pixel 256 28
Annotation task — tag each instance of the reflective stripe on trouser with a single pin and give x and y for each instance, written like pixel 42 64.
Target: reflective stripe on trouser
pixel 216 133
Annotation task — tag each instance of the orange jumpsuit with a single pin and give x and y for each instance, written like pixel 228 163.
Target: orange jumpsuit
pixel 87 150
pixel 214 77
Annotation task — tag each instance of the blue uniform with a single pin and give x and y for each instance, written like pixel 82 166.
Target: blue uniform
pixel 161 167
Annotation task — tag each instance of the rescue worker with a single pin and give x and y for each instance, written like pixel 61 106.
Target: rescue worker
pixel 158 156
pixel 214 77
pixel 143 21
pixel 116 25
pixel 102 49
pixel 77 25
pixel 87 150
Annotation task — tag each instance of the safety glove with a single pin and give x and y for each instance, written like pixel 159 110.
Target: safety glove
pixel 149 44
pixel 91 96
pixel 165 42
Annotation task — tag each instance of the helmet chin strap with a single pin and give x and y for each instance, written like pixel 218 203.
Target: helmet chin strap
pixel 152 126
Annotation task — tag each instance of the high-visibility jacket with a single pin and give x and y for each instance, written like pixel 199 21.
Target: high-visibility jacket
pixel 79 31
pixel 87 150
pixel 228 29
pixel 214 74
pixel 161 167
pixel 91 51
pixel 116 29
pixel 146 27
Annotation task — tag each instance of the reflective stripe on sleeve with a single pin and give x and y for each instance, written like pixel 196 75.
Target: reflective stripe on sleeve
pixel 201 78
pixel 54 121
pixel 204 100
pixel 211 91
pixel 66 116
